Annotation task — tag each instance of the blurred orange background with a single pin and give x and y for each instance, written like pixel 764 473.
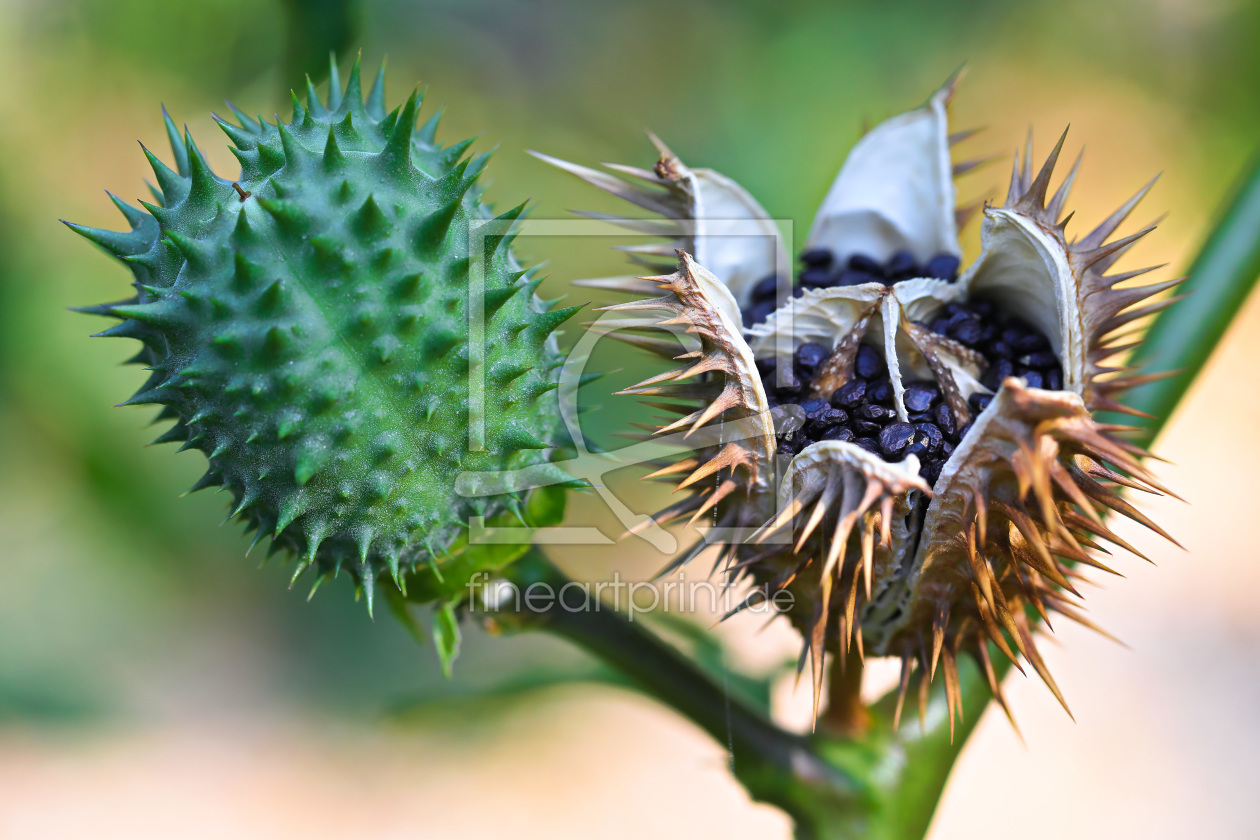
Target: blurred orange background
pixel 154 685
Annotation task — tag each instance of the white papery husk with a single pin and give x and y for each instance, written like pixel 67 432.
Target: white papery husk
pixel 1016 507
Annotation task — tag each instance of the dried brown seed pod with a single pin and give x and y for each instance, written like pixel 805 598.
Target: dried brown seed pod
pixel 913 452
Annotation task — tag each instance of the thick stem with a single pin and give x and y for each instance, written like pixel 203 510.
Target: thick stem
pixel 776 766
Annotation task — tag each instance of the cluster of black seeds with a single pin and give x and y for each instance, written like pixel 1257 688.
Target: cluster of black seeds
pixel 862 411
pixel 1012 346
pixel 820 271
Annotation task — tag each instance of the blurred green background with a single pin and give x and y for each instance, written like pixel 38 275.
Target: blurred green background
pixel 122 603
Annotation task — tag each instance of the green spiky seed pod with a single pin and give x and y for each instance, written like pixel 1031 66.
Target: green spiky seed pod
pixel 307 327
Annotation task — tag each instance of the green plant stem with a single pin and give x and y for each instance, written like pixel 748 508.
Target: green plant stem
pixel 1183 336
pixel 776 766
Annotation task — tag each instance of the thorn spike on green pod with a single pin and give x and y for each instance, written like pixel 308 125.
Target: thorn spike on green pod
pixel 210 479
pixel 246 273
pixel 334 83
pixel 117 243
pixel 300 115
pixel 134 215
pixel 205 184
pixel 369 221
pixel 294 154
pixel 270 160
pixel 548 322
pixel 314 106
pixel 174 187
pixel 478 164
pixel 352 99
pixel 275 344
pixel 243 233
pixel 396 155
pixel 197 254
pixel 334 160
pixel 292 508
pixel 375 104
pixel 178 149
pixel 347 129
pixel 449 156
pixel 289 215
pixel 329 253
pixel 240 138
pixel 428 131
pixel 247 122
pixel 431 233
pixel 495 298
pixel 515 437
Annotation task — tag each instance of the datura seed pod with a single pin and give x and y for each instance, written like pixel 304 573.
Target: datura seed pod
pixel 909 449
pixel 307 326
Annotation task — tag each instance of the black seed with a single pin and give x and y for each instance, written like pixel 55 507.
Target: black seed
pixel 850 394
pixel 869 364
pixel 999 349
pixel 869 444
pixel 874 413
pixel 815 278
pixel 813 407
pixel 1028 339
pixel 997 372
pixel 758 312
pixel 841 415
pixel 797 291
pixel 944 419
pixel 766 367
pixel 947 449
pixel 983 308
pixel 840 433
pixel 1042 359
pixel 765 288
pixel 865 427
pixel 824 420
pixel 1054 380
pixel 880 391
pixel 809 356
pixel 818 257
pixel 919 397
pixel 895 438
pixel 901 266
pixel 929 435
pixel 966 330
pixel 1033 379
pixel 849 277
pixel 914 448
pixel 921 417
pixel 979 402
pixel 931 473
pixel 861 262
pixel 962 433
pixel 942 266
pixel 940 326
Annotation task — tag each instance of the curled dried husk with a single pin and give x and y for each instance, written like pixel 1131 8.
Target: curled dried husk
pixel 705 213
